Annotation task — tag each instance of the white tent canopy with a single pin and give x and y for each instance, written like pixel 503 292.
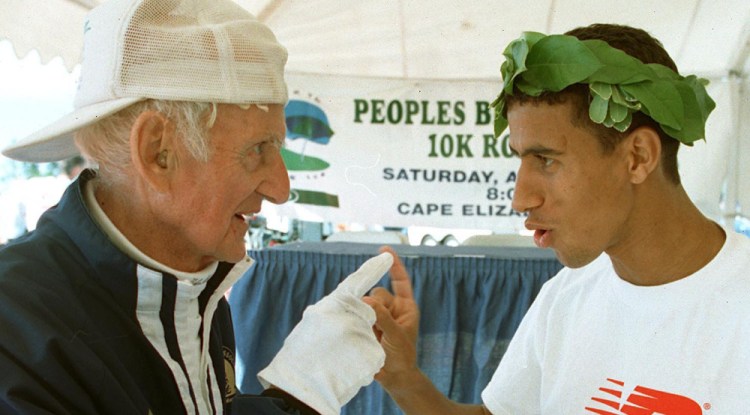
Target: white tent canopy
pixel 427 38
pixel 445 39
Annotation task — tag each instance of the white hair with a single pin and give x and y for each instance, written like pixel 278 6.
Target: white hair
pixel 107 142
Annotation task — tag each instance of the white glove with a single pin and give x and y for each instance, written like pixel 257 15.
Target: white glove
pixel 332 352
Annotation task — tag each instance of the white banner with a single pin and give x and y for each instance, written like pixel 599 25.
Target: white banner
pixel 397 153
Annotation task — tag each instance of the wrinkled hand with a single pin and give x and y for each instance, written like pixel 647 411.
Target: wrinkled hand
pixel 397 324
pixel 333 351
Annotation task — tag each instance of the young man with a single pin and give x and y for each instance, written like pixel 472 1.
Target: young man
pixel 115 303
pixel 651 314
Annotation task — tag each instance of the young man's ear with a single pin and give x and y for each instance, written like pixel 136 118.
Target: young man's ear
pixel 151 148
pixel 644 153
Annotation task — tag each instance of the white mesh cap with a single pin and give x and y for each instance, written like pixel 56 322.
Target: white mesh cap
pixel 183 50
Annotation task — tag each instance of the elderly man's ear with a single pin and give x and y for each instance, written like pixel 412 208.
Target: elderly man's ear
pixel 152 145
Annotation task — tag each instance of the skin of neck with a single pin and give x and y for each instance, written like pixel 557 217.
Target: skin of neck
pixel 666 238
pixel 134 209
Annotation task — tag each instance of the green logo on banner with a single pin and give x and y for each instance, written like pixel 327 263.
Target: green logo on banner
pixel 308 122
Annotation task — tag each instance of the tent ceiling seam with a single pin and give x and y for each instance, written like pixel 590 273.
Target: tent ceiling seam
pixel 732 206
pixel 86 4
pixel 685 38
pixel 404 67
pixel 550 16
pixel 739 60
pixel 268 10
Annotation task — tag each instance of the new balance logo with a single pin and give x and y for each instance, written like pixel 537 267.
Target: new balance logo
pixel 642 401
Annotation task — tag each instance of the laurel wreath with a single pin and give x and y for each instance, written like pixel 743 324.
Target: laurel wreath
pixel 619 84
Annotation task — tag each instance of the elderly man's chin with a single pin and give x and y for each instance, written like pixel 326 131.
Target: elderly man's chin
pixel 233 248
pixel 238 256
pixel 233 253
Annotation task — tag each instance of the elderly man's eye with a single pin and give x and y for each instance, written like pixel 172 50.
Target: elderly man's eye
pixel 266 146
pixel 276 145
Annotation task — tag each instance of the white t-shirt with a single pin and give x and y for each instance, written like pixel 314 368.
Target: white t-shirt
pixel 592 343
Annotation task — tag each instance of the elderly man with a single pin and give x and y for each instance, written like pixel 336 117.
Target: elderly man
pixel 651 315
pixel 115 304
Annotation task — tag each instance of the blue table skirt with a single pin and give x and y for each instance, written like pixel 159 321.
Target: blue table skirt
pixel 471 300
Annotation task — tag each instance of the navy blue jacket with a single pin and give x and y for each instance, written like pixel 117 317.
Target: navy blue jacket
pixel 70 341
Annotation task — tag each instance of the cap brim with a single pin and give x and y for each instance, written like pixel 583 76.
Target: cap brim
pixel 55 141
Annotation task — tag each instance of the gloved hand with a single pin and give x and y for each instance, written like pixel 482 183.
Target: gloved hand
pixel 332 352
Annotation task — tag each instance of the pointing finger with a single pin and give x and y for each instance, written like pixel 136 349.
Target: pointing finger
pixel 360 281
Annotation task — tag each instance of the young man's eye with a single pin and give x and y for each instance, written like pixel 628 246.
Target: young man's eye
pixel 545 161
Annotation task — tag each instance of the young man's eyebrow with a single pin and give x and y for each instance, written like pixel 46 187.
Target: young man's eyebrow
pixel 535 150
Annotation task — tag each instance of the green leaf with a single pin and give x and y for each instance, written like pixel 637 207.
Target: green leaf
pixel 660 100
pixel 694 127
pixel 617 66
pixel 500 122
pixel 532 37
pixel 617 112
pixel 623 125
pixel 528 88
pixel 508 68
pixel 619 97
pixel 627 99
pixel 627 96
pixel 677 135
pixel 496 102
pixel 598 109
pixel 662 71
pixel 558 61
pixel 601 89
pixel 705 103
pixel 515 54
pixel 508 72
